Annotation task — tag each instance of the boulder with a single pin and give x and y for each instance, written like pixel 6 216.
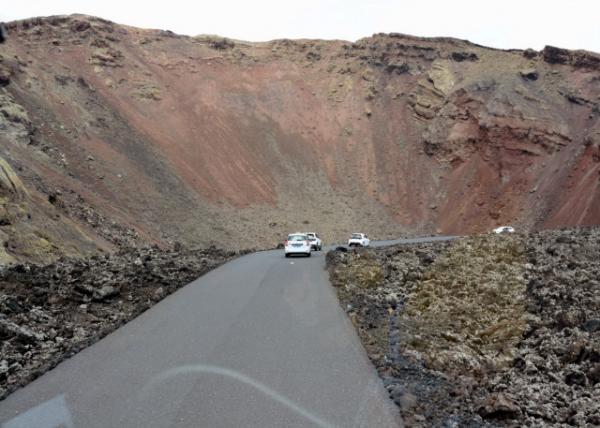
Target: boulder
pixel 464 56
pixel 21 334
pixel 529 74
pixel 105 292
pixel 79 26
pixel 499 406
pixel 397 68
pixel 592 325
pixel 5 74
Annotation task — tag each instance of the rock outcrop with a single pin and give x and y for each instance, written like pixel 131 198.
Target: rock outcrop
pixel 495 330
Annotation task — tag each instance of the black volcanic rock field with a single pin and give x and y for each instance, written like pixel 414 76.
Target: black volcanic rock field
pixel 482 331
pixel 48 313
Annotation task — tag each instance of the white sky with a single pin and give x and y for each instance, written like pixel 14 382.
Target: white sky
pixel 571 24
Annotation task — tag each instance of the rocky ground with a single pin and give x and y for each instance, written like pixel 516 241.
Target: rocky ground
pixel 483 331
pixel 48 313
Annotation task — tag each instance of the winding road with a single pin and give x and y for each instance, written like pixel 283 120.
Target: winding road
pixel 259 342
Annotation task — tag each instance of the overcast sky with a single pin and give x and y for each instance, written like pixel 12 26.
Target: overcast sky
pixel 571 24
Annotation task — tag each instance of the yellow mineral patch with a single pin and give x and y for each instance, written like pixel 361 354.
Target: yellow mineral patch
pixel 364 272
pixel 442 77
pixel 9 181
pixel 469 308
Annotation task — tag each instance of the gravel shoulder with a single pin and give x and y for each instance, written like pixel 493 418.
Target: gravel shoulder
pixel 49 313
pixel 482 331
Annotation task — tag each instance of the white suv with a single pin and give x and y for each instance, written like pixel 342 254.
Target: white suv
pixel 297 243
pixel 504 229
pixel 359 240
pixel 315 240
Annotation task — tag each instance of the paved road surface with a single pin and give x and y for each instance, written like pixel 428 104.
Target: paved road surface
pixel 258 342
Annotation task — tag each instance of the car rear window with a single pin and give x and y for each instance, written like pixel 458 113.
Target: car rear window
pixel 356 236
pixel 297 238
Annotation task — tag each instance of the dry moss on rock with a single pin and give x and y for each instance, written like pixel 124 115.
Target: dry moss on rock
pixel 493 331
pixel 468 310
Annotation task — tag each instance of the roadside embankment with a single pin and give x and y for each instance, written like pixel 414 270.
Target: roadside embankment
pixel 49 313
pixel 483 331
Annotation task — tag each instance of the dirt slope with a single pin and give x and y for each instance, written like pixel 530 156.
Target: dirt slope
pixel 114 135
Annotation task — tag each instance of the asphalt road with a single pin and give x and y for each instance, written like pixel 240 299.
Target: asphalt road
pixel 258 342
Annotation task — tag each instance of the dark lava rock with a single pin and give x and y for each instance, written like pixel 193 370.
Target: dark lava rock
pixel 464 56
pixel 582 59
pixel 221 43
pixel 592 325
pixel 78 26
pixel 575 377
pixel 48 313
pixel 565 239
pixel 551 379
pixel 554 55
pixel 3 32
pixel 593 374
pixel 397 67
pixel 499 406
pixel 530 74
pixel 5 75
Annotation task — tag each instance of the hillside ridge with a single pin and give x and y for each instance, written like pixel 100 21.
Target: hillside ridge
pixel 123 136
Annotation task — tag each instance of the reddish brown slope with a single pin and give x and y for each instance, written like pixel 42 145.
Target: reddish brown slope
pixel 205 139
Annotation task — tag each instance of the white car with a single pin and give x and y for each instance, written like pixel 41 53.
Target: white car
pixel 359 240
pixel 297 243
pixel 504 229
pixel 315 240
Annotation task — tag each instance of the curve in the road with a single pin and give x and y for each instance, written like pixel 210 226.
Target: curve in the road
pixel 258 342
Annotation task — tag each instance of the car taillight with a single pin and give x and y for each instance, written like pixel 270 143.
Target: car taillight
pixel 308 243
pixel 285 243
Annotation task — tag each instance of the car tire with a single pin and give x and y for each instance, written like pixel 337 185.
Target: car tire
pixel 308 254
pixel 286 255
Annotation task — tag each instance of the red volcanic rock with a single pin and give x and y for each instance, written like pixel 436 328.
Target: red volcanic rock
pixel 208 140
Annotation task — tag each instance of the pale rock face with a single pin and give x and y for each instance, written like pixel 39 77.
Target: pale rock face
pixel 442 77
